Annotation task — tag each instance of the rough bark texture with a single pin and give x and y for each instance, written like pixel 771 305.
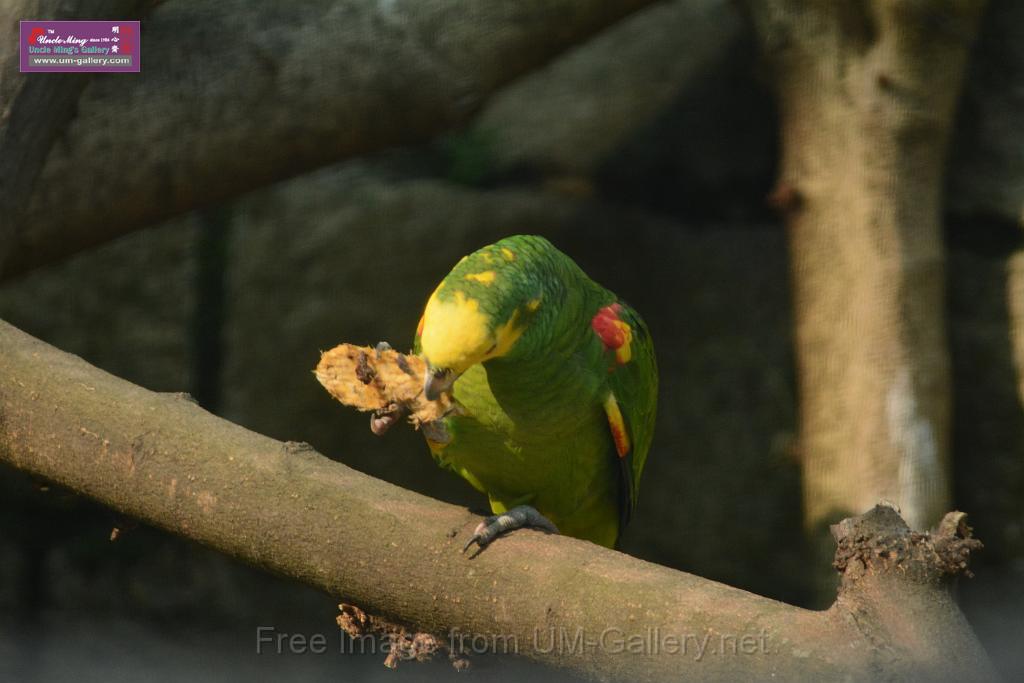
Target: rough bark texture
pixel 36 108
pixel 867 92
pixel 394 553
pixel 234 95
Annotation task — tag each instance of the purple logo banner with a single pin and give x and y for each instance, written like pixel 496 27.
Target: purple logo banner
pixel 80 46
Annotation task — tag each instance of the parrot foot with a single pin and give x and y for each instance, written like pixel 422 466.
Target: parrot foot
pixel 516 518
pixel 382 418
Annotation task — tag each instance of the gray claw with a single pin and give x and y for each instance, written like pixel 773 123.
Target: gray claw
pixel 497 525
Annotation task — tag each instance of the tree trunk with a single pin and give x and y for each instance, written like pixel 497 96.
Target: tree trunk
pixel 283 507
pixel 866 93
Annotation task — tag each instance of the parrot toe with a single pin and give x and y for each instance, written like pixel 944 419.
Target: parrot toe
pixel 516 518
pixel 382 419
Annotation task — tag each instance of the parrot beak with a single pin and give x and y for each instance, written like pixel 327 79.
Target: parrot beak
pixel 437 382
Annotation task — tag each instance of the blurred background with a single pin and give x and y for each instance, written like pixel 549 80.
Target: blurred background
pixel 646 153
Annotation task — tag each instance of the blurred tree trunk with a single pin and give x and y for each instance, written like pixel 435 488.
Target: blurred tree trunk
pixel 210 118
pixel 867 93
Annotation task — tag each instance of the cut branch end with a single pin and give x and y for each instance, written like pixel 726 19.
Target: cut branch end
pixel 880 542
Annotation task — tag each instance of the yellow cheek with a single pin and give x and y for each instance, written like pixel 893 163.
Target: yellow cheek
pixel 454 332
pixel 506 336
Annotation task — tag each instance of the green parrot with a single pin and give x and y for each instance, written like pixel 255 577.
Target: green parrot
pixel 556 382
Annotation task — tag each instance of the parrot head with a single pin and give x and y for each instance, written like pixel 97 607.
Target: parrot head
pixel 482 309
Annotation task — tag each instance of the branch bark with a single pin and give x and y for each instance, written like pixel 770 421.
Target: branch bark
pixel 233 96
pixel 394 553
pixel 867 92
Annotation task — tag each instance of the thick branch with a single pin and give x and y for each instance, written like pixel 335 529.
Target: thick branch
pixel 286 508
pixel 233 96
pixel 572 115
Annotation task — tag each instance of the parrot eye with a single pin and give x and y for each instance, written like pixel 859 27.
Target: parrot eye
pixel 491 350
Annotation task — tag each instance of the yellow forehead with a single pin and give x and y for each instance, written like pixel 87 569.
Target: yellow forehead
pixel 484 278
pixel 456 334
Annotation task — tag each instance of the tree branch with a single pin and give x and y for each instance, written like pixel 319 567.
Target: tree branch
pixel 232 97
pixel 284 507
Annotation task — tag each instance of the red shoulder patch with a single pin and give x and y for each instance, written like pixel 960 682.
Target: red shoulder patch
pixel 613 332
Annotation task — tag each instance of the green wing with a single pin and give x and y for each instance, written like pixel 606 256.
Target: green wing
pixel 634 387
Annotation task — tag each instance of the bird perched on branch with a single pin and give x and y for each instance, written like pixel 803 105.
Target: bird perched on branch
pixel 556 383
